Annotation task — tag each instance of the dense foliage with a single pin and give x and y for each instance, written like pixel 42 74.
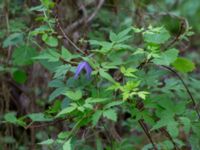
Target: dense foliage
pixel 99 75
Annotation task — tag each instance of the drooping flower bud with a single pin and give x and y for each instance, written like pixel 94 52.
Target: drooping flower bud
pixel 83 65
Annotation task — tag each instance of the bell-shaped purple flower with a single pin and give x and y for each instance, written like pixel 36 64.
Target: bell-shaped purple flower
pixel 83 65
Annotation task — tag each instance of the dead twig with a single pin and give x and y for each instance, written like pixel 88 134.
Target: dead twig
pixel 85 20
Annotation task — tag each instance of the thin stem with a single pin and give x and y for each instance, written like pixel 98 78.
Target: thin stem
pixel 145 129
pixel 170 137
pixel 69 40
pixel 46 19
pixel 64 34
pixel 186 87
pixel 108 136
pixel 76 126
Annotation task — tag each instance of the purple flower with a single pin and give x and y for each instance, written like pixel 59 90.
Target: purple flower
pixel 83 65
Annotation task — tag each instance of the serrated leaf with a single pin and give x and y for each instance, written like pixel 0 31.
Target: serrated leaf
pixel 106 76
pixel 124 33
pixel 40 30
pixel 183 65
pixel 95 117
pixel 51 55
pixel 63 134
pixel 56 83
pixel 157 35
pixel 172 128
pixel 66 55
pixel 96 100
pixel 113 37
pixel 120 37
pixel 47 142
pixel 38 117
pixel 116 103
pixel 74 95
pixel 164 121
pixel 39 8
pixel 187 123
pixel 23 55
pixel 10 117
pixel 67 145
pixel 13 39
pixel 66 111
pixel 51 41
pixel 167 57
pixel 57 92
pixel 110 114
pixel 61 71
pixel 142 94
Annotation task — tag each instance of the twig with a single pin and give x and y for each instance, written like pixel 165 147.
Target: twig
pixel 44 124
pixel 76 126
pixel 145 129
pixel 170 138
pixel 68 39
pixel 90 18
pixel 183 23
pixel 108 136
pixel 69 62
pixel 86 20
pixel 64 34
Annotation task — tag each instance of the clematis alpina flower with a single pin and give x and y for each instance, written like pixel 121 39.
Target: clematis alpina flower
pixel 83 65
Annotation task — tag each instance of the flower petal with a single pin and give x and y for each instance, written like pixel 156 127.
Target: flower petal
pixel 88 70
pixel 80 67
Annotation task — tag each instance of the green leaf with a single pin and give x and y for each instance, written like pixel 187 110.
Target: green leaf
pixel 124 33
pixel 95 100
pixel 167 57
pixel 120 37
pixel 66 55
pixel 164 121
pixel 51 41
pixel 38 117
pixel 63 134
pixel 87 105
pixel 183 65
pixel 167 145
pixel 47 142
pixel 110 114
pixel 40 30
pixel 173 129
pixel 116 103
pixel 106 75
pixel 56 83
pixel 113 37
pixel 10 117
pixel 23 55
pixel 128 72
pixel 187 124
pixel 95 117
pixel 74 95
pixel 51 55
pixel 13 39
pixel 19 76
pixel 59 91
pixel 66 111
pixel 67 145
pixel 157 35
pixel 61 71
pixel 39 8
pixel 142 94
